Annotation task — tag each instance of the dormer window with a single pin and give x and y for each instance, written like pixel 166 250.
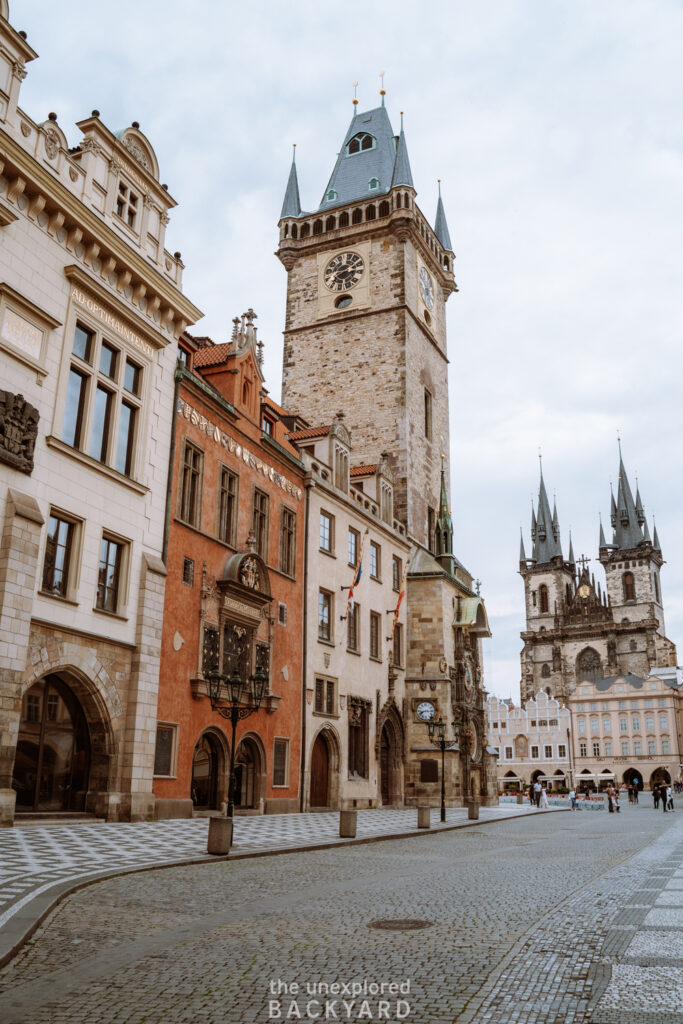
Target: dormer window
pixel 126 205
pixel 360 142
pixel 341 468
pixel 331 196
pixel 373 184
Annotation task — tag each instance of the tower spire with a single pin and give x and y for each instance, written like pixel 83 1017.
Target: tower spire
pixel 444 527
pixel 522 552
pixel 547 534
pixel 570 557
pixel 440 225
pixel 291 207
pixel 626 522
pixel 402 175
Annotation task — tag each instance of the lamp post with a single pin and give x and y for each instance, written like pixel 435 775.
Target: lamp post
pixel 244 697
pixel 437 737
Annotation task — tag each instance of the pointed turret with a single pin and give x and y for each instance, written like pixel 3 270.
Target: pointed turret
pixel 365 164
pixel 444 528
pixel 640 512
pixel 603 542
pixel 440 225
pixel 402 174
pixel 570 558
pixel 547 540
pixel 646 530
pixel 655 541
pixel 522 552
pixel 627 531
pixel 291 207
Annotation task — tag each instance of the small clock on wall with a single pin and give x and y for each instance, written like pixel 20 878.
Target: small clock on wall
pixel 425 711
pixel 584 590
pixel 344 271
pixel 426 288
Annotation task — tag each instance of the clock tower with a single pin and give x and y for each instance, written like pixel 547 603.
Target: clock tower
pixel 368 278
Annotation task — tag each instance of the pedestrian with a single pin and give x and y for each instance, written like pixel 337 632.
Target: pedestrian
pixel 543 800
pixel 616 800
pixel 629 790
pixel 572 797
pixel 635 792
pixel 662 797
pixel 669 799
pixel 655 796
pixel 610 798
pixel 537 793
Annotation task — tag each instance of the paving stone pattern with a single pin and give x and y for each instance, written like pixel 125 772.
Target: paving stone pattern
pixel 524 912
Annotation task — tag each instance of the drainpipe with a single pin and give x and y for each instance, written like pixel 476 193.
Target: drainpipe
pixel 177 376
pixel 304 652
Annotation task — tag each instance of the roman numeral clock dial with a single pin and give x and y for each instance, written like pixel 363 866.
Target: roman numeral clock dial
pixel 344 271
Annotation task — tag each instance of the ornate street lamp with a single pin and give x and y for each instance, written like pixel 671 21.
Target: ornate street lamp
pixel 437 737
pixel 235 698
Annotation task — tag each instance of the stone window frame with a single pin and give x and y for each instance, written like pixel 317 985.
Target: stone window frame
pixel 75 555
pixel 330 533
pixel 375 618
pixel 548 751
pixel 260 521
pixel 329 596
pixel 428 414
pixel 283 741
pixel 123 583
pixel 14 302
pixel 193 519
pixel 174 728
pixel 352 549
pixel 353 618
pixel 328 686
pixel 376 569
pixel 226 524
pixel 608 748
pixel 509 754
pixel 535 756
pixel 288 539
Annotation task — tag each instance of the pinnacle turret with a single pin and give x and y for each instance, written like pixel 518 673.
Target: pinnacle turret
pixel 291 206
pixel 440 225
pixel 545 529
pixel 522 552
pixel 444 527
pixel 626 516
pixel 402 175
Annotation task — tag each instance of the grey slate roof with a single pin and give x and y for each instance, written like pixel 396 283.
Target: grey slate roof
pixel 546 535
pixel 352 174
pixel 440 225
pixel 635 681
pixel 655 543
pixel 522 553
pixel 291 206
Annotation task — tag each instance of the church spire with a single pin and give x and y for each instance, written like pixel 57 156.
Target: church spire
pixel 291 207
pixel 627 521
pixel 440 225
pixel 603 542
pixel 444 527
pixel 522 552
pixel 401 175
pixel 655 541
pixel 570 557
pixel 547 533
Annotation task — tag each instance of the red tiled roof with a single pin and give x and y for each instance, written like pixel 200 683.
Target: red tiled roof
pixel 212 355
pixel 363 470
pixel 267 400
pixel 308 433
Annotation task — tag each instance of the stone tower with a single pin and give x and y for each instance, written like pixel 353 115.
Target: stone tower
pixel 367 283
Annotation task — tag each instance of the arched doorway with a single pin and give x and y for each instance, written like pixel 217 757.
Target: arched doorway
pixel 633 778
pixel 660 777
pixel 205 770
pixel 320 772
pixel 391 760
pixel 248 772
pixel 52 763
pixel 585 781
pixel 510 782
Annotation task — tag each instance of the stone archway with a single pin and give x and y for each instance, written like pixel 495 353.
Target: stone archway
pixel 632 777
pixel 250 775
pixel 660 777
pixel 323 773
pixel 209 785
pixel 61 688
pixel 390 759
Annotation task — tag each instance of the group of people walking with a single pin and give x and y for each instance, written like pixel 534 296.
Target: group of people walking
pixel 664 795
pixel 538 795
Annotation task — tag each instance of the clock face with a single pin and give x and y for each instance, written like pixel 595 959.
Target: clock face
pixel 425 711
pixel 344 271
pixel 426 288
pixel 584 590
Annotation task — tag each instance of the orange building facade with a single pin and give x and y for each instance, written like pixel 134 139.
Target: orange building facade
pixel 234 591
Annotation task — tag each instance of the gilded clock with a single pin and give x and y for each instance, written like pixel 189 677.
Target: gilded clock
pixel 584 590
pixel 426 288
pixel 344 271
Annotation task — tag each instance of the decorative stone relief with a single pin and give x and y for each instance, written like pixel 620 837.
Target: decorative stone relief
pixel 73 173
pixel 137 153
pixel 249 573
pixel 25 129
pixel 51 144
pixel 18 431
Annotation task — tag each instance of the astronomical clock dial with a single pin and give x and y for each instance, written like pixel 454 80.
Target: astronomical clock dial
pixel 426 288
pixel 469 685
pixel 584 590
pixel 344 271
pixel 425 711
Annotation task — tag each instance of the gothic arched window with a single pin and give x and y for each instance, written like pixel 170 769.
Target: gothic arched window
pixel 329 225
pixel 588 666
pixel 317 227
pixel 357 216
pixel 360 143
pixel 543 597
pixel 629 586
pixel 384 209
pixel 344 220
pixel 545 672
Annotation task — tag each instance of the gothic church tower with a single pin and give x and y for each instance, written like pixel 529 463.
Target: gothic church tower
pixel 367 283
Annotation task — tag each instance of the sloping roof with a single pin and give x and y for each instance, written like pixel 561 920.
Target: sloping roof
pixel 308 433
pixel 291 206
pixel 635 681
pixel 473 616
pixel 212 355
pixel 352 173
pixel 423 563
pixel 363 470
pixel 402 175
pixel 440 225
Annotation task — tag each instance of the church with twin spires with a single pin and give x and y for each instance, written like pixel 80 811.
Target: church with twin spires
pixel 576 631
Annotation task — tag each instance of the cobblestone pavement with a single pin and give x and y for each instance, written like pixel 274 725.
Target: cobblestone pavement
pixel 552 918
pixel 37 860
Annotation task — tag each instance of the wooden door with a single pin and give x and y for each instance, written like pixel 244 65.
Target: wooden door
pixel 320 766
pixel 385 753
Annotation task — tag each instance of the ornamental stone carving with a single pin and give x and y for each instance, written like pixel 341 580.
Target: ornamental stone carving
pixel 51 144
pixel 137 152
pixel 249 573
pixel 18 431
pixel 25 129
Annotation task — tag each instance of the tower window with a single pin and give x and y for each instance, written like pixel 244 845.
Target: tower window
pixel 656 583
pixel 588 667
pixel 343 220
pixel 329 224
pixel 373 184
pixel 357 216
pixel 428 414
pixel 543 597
pixel 359 143
pixel 331 196
pixel 629 586
pixel 384 209
pixel 126 205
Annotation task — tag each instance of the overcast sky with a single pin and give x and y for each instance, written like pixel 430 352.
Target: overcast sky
pixel 556 130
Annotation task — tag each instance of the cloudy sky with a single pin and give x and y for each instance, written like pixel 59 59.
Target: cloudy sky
pixel 556 129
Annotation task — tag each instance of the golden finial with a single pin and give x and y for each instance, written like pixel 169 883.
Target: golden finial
pixel 355 98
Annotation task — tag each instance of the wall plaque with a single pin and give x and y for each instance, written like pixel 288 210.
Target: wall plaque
pixel 18 431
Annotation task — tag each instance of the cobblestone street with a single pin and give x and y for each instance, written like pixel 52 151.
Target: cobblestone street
pixel 544 919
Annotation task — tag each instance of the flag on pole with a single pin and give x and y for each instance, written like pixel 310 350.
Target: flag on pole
pixel 357 575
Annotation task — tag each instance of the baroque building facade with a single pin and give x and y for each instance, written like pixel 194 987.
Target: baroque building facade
pixel 533 742
pixel 368 279
pixel 234 589
pixel 91 309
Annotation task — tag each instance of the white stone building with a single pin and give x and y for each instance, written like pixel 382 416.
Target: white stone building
pixel 90 311
pixel 353 741
pixel 533 742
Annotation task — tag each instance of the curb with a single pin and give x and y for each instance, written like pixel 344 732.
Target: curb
pixel 29 919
